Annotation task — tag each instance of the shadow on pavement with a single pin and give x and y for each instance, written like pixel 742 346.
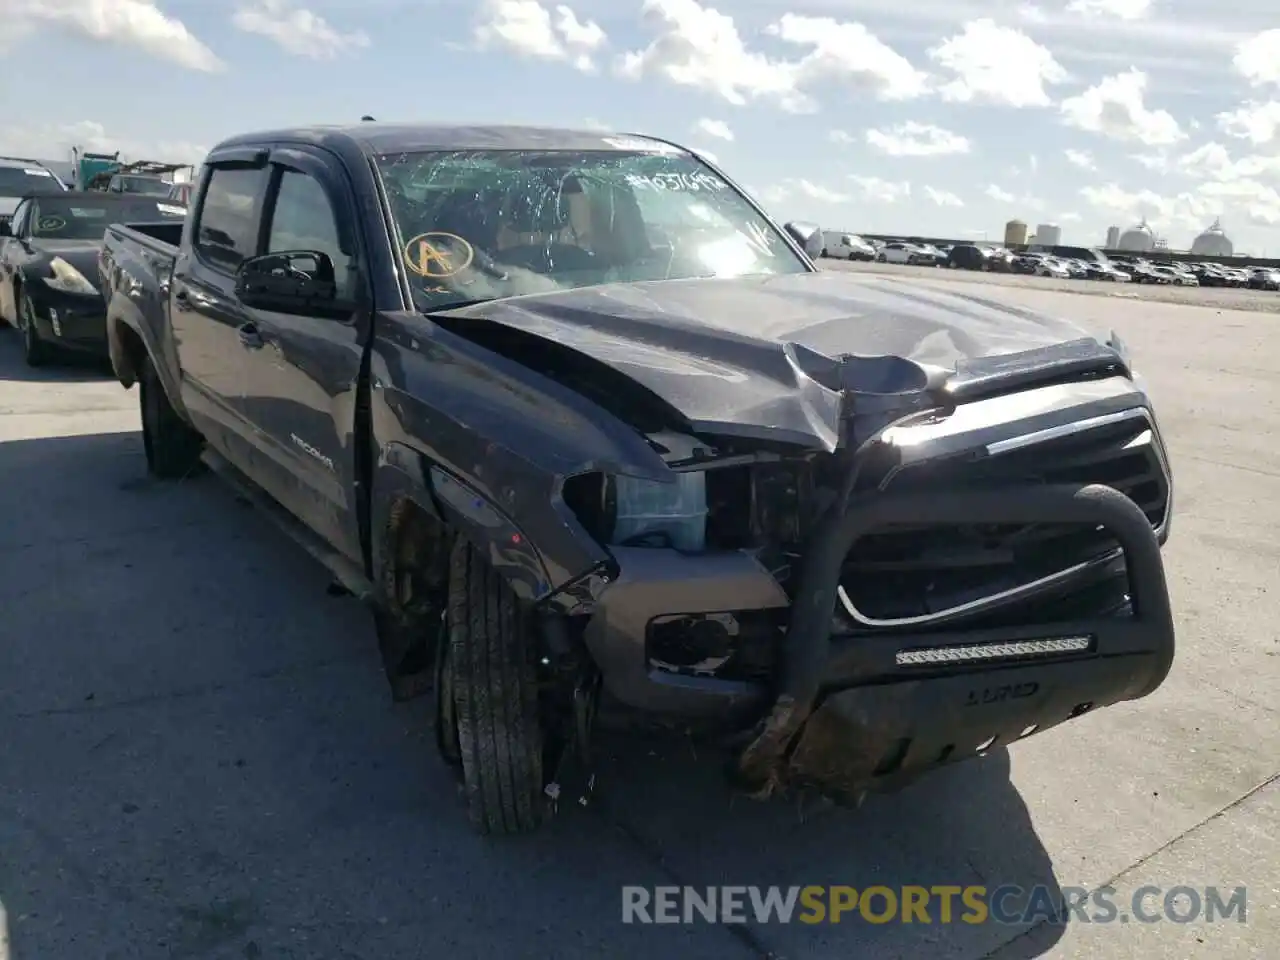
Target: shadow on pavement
pixel 965 825
pixel 62 368
pixel 202 759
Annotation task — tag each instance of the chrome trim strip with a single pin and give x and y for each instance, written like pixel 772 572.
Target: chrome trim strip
pixel 974 605
pixel 1064 430
pixel 1020 442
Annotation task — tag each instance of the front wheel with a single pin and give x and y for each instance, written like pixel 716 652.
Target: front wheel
pixel 487 699
pixel 34 350
pixel 173 446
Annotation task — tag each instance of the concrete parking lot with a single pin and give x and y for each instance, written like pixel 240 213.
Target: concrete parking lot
pixel 1218 298
pixel 200 758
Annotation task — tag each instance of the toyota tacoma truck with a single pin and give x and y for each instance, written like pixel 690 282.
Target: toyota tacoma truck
pixel 594 437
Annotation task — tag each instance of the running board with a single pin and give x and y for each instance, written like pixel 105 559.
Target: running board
pixel 346 573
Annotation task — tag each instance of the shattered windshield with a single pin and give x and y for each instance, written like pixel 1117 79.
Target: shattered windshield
pixel 480 225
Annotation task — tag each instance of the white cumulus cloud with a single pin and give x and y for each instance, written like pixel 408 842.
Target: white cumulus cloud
pixel 714 128
pixel 881 190
pixel 131 23
pixel 912 139
pixel 1080 158
pixel 1256 122
pixel 700 47
pixel 943 198
pixel 1258 58
pixel 53 142
pixel 529 29
pixel 1116 107
pixel 997 64
pixel 1120 9
pixel 848 55
pixel 297 30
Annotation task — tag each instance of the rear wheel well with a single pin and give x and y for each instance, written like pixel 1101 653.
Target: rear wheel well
pixel 133 354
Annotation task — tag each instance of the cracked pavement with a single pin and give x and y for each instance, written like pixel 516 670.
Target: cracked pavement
pixel 201 758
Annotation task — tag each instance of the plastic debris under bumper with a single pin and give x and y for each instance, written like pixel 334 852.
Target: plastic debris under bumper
pixel 838 725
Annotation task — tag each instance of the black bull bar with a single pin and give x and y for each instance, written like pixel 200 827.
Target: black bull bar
pixel 848 720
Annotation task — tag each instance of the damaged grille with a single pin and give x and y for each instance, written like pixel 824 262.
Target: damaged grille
pixel 911 576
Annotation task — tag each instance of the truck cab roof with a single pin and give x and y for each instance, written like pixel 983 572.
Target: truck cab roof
pixel 380 138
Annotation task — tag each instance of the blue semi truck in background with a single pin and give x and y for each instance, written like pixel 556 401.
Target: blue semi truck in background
pixel 106 171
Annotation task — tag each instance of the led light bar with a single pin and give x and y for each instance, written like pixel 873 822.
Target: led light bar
pixel 992 651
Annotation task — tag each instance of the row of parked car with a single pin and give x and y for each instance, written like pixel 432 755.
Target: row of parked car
pixel 1091 264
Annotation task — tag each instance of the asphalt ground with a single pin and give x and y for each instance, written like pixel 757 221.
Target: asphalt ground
pixel 199 757
pixel 1218 298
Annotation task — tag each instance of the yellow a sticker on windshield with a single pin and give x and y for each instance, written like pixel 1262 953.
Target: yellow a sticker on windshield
pixel 437 254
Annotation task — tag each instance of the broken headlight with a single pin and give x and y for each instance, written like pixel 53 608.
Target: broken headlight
pixel 63 276
pixel 627 511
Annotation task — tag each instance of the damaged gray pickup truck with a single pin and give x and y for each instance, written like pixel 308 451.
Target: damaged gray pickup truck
pixel 594 437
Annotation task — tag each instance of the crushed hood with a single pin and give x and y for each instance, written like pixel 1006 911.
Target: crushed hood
pixel 781 357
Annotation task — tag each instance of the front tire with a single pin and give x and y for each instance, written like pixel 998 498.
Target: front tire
pixel 173 447
pixel 34 350
pixel 488 703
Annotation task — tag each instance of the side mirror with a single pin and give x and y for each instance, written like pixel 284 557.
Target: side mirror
pixel 808 235
pixel 296 281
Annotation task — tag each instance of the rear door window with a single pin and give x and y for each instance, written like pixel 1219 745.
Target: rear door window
pixel 227 231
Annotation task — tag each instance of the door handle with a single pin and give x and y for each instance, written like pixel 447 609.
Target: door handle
pixel 250 338
pixel 181 296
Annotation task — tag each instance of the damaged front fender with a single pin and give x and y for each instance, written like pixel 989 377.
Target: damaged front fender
pixel 492 442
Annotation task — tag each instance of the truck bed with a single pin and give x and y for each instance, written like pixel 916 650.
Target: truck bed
pixel 134 269
pixel 161 236
pixel 137 254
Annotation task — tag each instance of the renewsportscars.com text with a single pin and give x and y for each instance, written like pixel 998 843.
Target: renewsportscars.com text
pixel 1009 904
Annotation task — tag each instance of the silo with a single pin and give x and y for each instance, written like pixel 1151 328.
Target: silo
pixel 1015 233
pixel 1048 234
pixel 1213 242
pixel 1138 239
pixel 1113 238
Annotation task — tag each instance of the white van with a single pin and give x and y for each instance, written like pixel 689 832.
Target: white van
pixel 846 246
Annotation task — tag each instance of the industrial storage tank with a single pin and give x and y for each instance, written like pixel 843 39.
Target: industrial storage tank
pixel 1048 235
pixel 1113 238
pixel 1138 239
pixel 1015 233
pixel 1214 242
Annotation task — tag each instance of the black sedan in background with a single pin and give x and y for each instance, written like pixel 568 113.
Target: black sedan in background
pixel 49 266
pixel 1265 278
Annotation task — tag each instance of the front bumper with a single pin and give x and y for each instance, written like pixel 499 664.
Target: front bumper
pixel 74 321
pixel 857 712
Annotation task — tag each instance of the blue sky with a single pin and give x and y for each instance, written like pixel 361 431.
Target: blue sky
pixel 912 116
